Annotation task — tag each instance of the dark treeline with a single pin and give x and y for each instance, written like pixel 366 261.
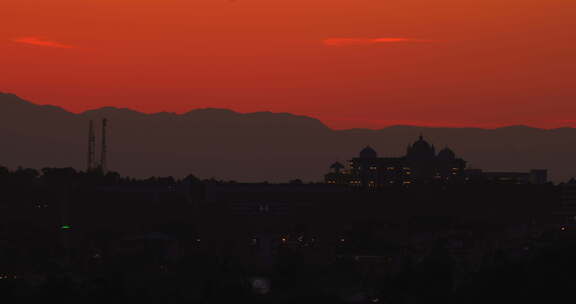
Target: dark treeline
pixel 70 235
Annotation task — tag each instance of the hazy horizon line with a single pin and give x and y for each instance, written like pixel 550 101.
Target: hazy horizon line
pixel 392 125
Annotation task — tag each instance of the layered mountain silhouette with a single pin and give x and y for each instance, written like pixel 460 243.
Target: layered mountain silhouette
pixel 261 146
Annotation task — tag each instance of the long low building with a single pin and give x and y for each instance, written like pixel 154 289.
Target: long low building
pixel 421 164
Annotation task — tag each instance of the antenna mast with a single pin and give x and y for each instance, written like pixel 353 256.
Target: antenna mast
pixel 104 146
pixel 91 146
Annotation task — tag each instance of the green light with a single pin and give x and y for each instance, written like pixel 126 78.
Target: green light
pixel 66 227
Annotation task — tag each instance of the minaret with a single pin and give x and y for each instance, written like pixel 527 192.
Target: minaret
pixel 104 147
pixel 91 147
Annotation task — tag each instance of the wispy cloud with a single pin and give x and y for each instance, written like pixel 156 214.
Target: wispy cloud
pixel 41 42
pixel 367 41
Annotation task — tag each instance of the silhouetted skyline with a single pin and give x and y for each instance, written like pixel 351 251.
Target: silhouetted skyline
pixel 259 146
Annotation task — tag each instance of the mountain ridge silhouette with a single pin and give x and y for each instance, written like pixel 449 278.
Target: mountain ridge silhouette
pixel 258 146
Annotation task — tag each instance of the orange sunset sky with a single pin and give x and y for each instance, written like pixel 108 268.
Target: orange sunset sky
pixel 350 63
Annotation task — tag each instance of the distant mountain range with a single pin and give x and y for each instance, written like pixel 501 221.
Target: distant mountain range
pixel 261 146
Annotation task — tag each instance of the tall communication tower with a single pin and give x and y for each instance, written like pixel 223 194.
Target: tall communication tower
pixel 104 148
pixel 92 163
pixel 91 147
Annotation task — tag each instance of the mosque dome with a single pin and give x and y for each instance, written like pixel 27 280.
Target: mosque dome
pixel 446 154
pixel 368 152
pixel 421 149
pixel 337 166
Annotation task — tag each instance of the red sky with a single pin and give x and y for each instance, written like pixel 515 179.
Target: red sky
pixel 350 63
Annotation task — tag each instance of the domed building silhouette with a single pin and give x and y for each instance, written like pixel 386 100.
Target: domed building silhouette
pixel 446 154
pixel 421 164
pixel 336 167
pixel 421 150
pixel 368 152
